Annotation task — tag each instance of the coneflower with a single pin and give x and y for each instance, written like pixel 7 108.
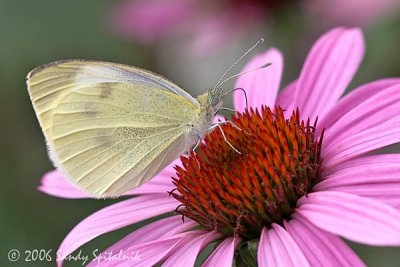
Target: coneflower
pixel 300 181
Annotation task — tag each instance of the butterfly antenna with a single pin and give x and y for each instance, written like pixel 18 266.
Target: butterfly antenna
pixel 244 72
pixel 219 83
pixel 236 89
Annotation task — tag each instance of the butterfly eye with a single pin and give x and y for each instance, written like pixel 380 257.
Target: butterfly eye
pixel 214 100
pixel 215 97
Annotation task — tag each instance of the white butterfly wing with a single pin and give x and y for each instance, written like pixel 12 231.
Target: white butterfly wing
pixel 108 137
pixel 47 84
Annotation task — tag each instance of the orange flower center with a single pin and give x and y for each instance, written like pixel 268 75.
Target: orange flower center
pixel 240 193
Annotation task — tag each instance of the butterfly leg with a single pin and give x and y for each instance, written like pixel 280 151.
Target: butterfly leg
pixel 233 125
pixel 194 150
pixel 224 108
pixel 223 135
pixel 196 146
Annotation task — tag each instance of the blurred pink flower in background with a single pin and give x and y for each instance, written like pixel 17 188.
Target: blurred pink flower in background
pixel 207 24
pixel 297 220
pixel 352 12
pixel 151 20
pixel 202 24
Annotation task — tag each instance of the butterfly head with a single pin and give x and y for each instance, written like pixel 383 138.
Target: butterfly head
pixel 215 98
pixel 211 102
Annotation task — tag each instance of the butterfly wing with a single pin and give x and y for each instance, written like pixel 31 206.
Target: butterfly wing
pixel 108 137
pixel 47 84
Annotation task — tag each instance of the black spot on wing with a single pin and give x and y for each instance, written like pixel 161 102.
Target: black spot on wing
pixel 90 109
pixel 106 92
pixel 105 140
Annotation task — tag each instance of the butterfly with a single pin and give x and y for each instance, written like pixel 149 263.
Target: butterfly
pixel 111 127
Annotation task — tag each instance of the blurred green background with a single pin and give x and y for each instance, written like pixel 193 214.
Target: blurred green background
pixel 36 32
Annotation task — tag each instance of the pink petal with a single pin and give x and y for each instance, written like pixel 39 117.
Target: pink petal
pixel 319 247
pixel 376 177
pixel 356 218
pixel 262 85
pixel 222 256
pixel 353 99
pixel 187 254
pixel 277 248
pixel 377 109
pixel 286 98
pixel 150 253
pixel 53 183
pixel 328 70
pixel 346 148
pixel 114 217
pixel 219 118
pixel 155 186
pixel 375 159
pixel 160 229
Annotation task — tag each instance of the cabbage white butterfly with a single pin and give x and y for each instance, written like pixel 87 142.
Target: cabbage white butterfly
pixel 111 127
